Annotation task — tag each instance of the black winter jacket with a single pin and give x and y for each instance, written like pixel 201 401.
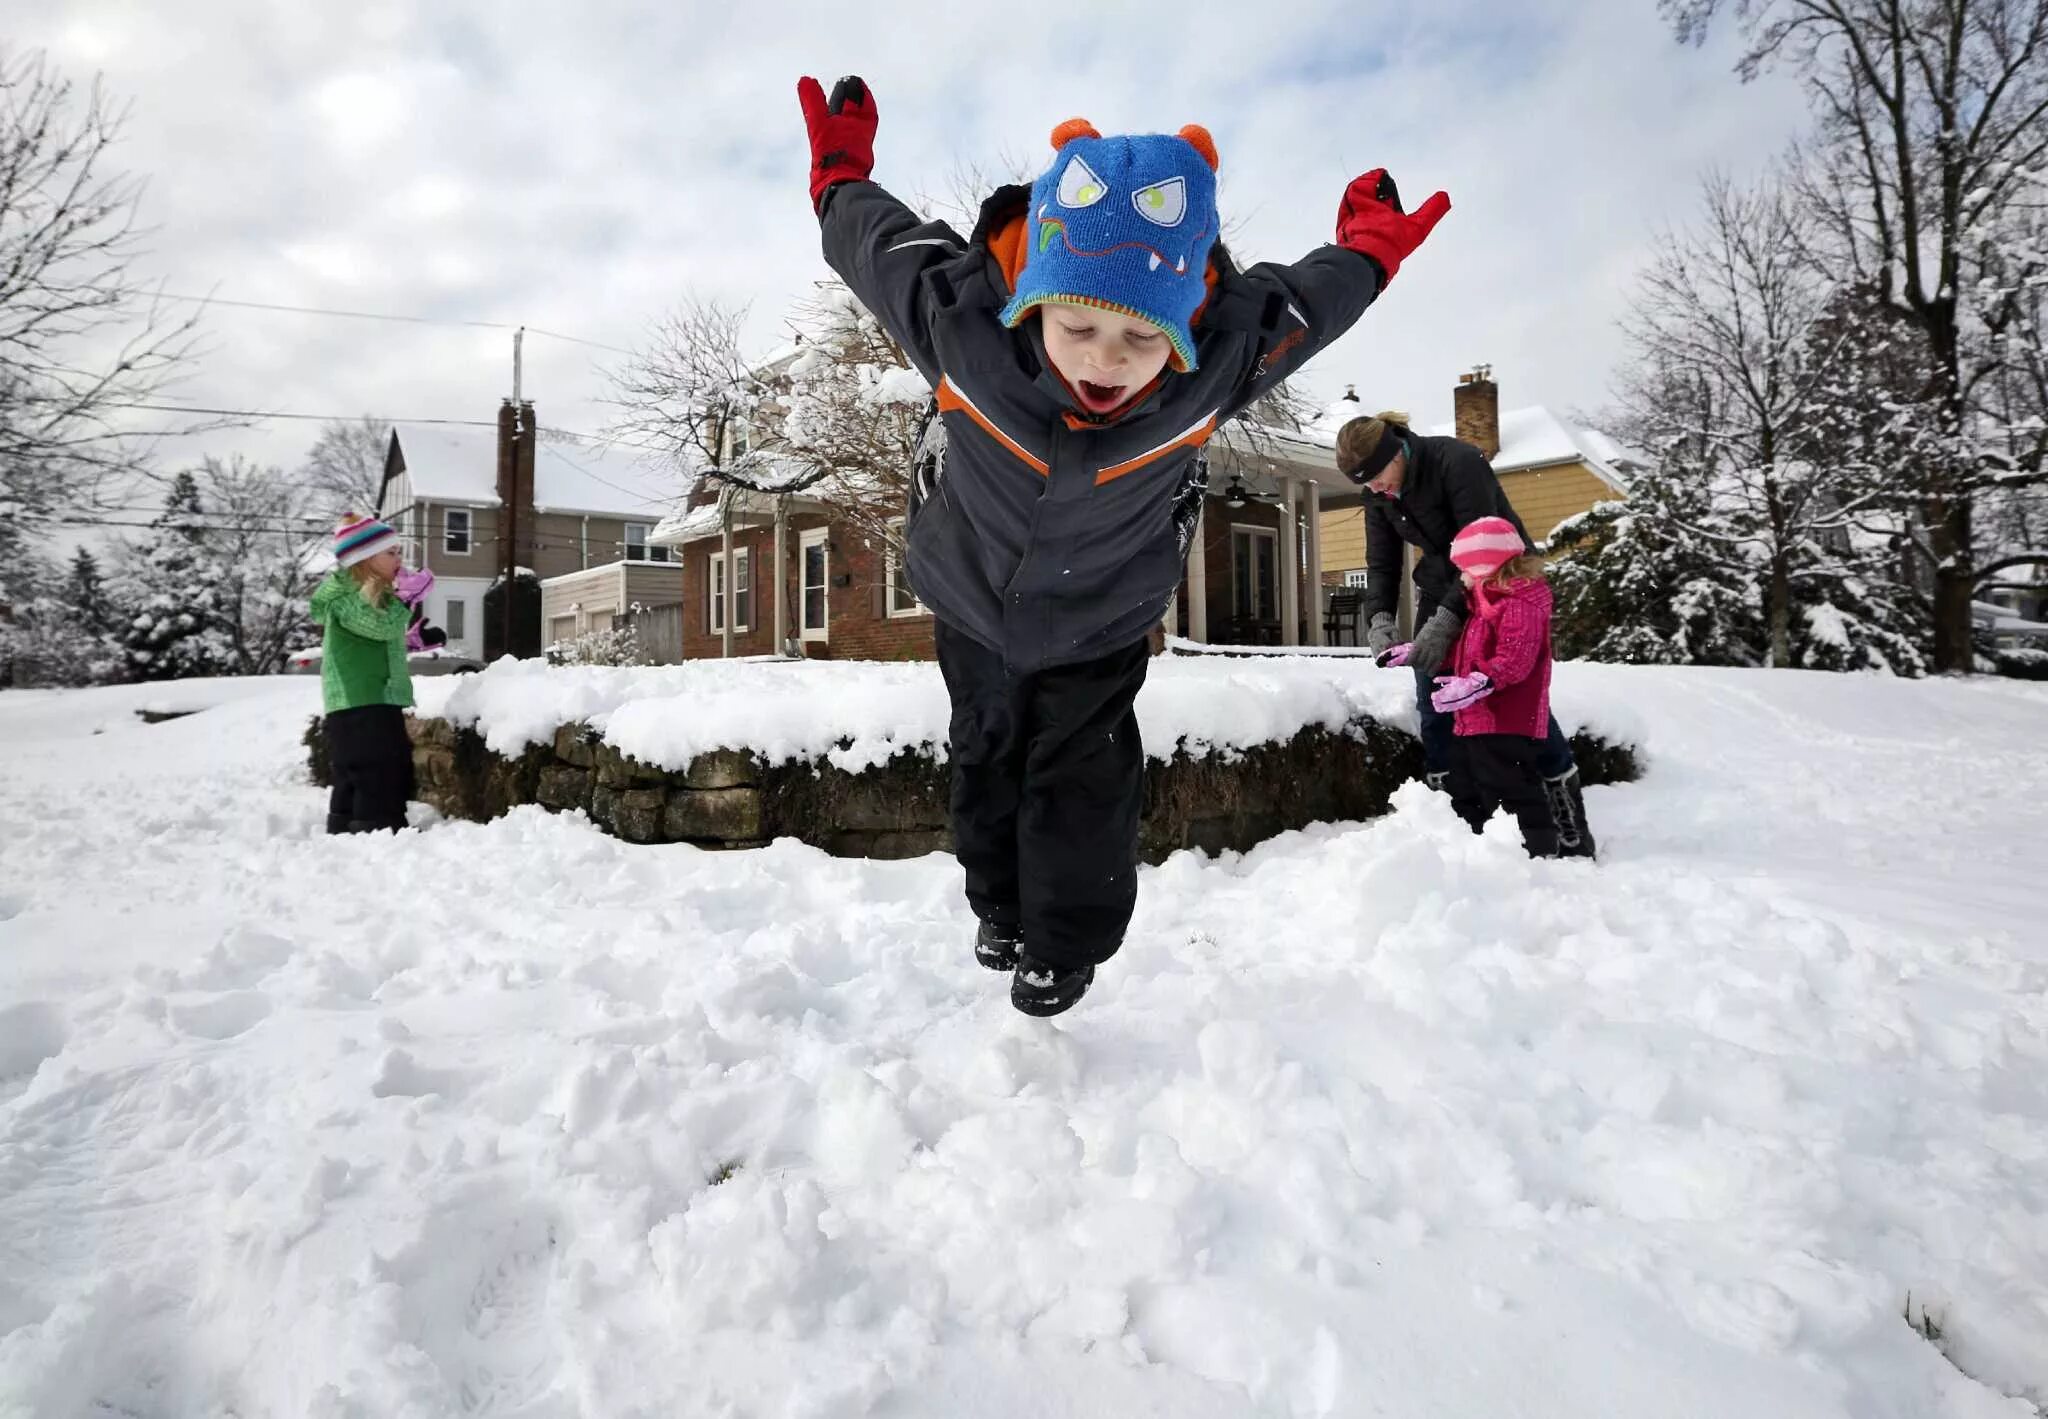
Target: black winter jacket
pixel 1448 486
pixel 1046 536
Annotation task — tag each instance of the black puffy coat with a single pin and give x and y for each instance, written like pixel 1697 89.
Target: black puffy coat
pixel 1448 486
pixel 1052 538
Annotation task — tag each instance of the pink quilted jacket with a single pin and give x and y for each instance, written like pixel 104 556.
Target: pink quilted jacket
pixel 1507 635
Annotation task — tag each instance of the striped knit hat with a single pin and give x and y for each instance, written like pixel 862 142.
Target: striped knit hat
pixel 360 538
pixel 1485 546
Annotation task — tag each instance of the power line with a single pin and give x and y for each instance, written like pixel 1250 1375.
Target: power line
pixel 381 315
pixel 263 414
pixel 282 414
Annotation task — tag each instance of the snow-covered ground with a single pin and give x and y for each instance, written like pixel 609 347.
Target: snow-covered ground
pixel 517 1119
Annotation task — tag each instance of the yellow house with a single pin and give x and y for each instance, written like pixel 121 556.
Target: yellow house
pixel 1550 468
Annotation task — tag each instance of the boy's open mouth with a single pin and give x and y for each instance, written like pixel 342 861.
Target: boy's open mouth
pixel 1099 398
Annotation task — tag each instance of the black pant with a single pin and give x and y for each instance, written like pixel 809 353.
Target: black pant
pixel 1048 785
pixel 1489 771
pixel 369 759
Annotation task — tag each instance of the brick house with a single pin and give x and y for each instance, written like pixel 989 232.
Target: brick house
pixel 577 509
pixel 842 595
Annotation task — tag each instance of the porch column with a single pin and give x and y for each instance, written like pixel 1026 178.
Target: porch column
pixel 1315 565
pixel 1198 578
pixel 725 610
pixel 781 576
pixel 1290 569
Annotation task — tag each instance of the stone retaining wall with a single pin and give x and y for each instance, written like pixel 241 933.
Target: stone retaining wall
pixel 729 799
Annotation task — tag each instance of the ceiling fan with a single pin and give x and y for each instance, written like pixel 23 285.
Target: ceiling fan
pixel 1236 494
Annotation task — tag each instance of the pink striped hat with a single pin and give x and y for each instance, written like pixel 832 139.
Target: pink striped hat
pixel 360 538
pixel 1485 546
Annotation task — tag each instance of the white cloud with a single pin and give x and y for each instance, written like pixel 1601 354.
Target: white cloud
pixel 581 167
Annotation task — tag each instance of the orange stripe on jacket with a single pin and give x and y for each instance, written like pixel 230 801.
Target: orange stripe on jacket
pixel 1193 437
pixel 950 397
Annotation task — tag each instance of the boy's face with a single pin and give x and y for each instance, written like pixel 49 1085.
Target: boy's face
pixel 1104 356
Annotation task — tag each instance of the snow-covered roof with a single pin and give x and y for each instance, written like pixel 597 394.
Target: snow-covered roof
pixel 1530 437
pixel 457 465
pixel 687 525
pixel 1533 437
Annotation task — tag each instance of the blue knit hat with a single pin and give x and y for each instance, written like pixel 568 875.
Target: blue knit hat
pixel 1123 224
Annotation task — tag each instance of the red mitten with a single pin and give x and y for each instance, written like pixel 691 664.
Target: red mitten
pixel 842 132
pixel 1371 221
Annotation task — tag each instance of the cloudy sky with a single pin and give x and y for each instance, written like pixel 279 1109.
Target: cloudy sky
pixel 580 167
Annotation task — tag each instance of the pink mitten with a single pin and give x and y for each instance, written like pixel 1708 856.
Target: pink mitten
pixel 1456 692
pixel 412 586
pixel 1394 654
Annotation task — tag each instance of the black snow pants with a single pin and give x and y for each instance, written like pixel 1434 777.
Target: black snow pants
pixel 369 759
pixel 1048 784
pixel 1490 771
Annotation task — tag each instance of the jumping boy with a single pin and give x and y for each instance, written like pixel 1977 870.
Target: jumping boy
pixel 1084 343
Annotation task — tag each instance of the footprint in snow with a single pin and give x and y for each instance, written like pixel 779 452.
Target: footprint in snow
pixel 480 1284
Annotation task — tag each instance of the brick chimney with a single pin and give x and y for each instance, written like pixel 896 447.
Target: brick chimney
pixel 1475 408
pixel 518 435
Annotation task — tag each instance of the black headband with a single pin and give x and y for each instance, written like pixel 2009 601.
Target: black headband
pixel 1392 441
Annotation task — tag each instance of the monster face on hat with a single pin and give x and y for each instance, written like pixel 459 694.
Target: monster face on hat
pixel 1123 224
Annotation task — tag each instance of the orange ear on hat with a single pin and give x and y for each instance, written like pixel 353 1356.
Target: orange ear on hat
pixel 1070 130
pixel 1198 138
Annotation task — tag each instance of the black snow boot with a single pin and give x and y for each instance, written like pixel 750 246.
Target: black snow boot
pixel 1042 989
pixel 1439 782
pixel 995 946
pixel 337 824
pixel 1568 814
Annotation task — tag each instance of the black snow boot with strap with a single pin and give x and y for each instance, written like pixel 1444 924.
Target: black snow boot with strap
pixel 1567 804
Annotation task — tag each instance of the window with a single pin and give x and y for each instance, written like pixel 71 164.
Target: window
pixel 1255 573
pixel 637 549
pixel 902 600
pixel 742 590
pixel 1355 578
pixel 455 532
pixel 816 559
pixel 456 620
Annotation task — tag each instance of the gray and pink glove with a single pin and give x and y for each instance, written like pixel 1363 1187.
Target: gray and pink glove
pixel 1394 655
pixel 1456 692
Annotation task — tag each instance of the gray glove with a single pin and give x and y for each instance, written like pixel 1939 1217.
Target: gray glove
pixel 1434 641
pixel 1380 635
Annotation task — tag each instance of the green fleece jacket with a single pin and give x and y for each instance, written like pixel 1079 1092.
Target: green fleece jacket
pixel 362 654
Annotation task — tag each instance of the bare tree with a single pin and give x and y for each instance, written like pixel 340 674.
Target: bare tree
pixel 691 392
pixel 1933 122
pixel 850 409
pixel 80 341
pixel 344 470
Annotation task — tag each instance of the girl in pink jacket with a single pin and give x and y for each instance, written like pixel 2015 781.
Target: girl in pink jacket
pixel 1500 688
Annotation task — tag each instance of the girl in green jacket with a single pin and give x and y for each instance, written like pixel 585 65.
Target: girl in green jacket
pixel 364 681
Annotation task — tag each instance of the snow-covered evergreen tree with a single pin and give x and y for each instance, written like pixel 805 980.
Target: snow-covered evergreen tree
pixel 1636 583
pixel 180 615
